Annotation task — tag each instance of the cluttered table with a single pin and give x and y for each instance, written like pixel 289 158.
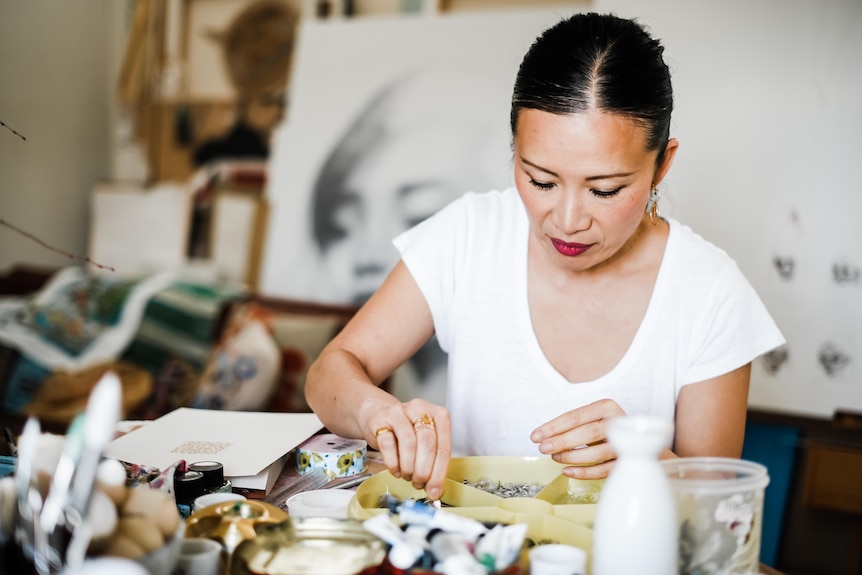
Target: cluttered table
pixel 369 476
pixel 291 482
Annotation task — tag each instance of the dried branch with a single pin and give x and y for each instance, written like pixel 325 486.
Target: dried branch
pixel 52 248
pixel 11 130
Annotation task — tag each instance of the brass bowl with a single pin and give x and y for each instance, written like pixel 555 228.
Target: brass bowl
pixel 232 522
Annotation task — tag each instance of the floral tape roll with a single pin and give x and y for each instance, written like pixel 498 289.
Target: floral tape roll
pixel 336 456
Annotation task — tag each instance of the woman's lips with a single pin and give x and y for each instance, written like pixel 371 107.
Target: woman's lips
pixel 568 249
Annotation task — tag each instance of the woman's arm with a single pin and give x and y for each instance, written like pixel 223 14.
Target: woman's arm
pixel 342 384
pixel 710 416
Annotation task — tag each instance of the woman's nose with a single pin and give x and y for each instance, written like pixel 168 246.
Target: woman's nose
pixel 572 212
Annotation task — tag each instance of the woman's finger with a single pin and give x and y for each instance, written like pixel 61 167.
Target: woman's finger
pixel 387 445
pixel 406 448
pixel 425 429
pixel 593 412
pixel 590 455
pixel 436 483
pixel 587 434
pixel 598 471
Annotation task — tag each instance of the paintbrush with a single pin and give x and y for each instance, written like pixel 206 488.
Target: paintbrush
pixel 24 472
pixel 100 424
pixel 52 515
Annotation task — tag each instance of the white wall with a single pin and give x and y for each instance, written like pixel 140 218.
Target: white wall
pixel 769 119
pixel 54 90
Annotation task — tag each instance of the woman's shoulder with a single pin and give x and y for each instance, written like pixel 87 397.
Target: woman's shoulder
pixel 700 266
pixel 692 249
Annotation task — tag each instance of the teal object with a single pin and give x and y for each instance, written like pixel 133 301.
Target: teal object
pixel 7 465
pixel 776 447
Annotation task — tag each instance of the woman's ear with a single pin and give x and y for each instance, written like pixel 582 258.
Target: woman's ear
pixel 666 161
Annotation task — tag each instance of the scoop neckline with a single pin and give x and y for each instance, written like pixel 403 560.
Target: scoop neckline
pixel 535 349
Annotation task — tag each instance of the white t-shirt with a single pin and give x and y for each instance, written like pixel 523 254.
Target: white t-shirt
pixel 470 262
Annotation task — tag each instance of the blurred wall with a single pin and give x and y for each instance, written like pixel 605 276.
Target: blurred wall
pixel 55 60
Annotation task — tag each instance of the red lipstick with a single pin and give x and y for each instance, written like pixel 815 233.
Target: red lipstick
pixel 568 249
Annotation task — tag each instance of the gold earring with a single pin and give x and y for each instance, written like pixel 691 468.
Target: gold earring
pixel 653 209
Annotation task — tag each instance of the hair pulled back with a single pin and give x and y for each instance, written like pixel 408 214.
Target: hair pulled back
pixel 602 62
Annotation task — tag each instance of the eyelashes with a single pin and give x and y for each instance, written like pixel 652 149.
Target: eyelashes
pixel 606 193
pixel 541 185
pixel 598 193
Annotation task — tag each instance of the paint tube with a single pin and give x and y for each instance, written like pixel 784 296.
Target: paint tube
pixel 453 554
pixel 501 546
pixel 404 552
pixel 412 511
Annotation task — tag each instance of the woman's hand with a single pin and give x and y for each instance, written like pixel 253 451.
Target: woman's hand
pixel 579 438
pixel 415 440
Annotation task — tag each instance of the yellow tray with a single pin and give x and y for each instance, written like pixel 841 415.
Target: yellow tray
pixel 562 512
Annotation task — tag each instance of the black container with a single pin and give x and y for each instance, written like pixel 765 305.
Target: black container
pixel 188 486
pixel 213 473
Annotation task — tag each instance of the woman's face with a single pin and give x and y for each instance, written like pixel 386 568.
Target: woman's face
pixel 399 182
pixel 585 180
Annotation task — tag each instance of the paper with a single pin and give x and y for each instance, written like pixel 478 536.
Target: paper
pixel 245 442
pixel 264 480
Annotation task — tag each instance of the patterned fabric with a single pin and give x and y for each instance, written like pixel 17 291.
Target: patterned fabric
pixel 157 332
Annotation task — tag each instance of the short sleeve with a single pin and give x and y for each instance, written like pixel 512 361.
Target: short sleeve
pixel 433 252
pixel 734 328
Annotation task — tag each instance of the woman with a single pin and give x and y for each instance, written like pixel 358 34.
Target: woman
pixel 564 301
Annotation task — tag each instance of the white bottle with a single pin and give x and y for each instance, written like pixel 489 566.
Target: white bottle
pixel 636 528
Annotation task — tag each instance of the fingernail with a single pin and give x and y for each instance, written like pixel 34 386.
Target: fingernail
pixel 536 437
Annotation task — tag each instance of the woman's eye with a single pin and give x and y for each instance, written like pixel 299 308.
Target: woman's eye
pixel 606 193
pixel 542 185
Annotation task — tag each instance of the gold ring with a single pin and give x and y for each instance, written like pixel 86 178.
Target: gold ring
pixel 423 420
pixel 384 429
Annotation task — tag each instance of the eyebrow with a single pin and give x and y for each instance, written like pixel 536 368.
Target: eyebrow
pixel 588 178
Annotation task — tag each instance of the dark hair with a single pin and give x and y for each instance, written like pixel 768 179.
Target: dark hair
pixel 597 61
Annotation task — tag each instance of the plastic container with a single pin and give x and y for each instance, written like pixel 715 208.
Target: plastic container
pixel 720 509
pixel 330 503
pixel 558 559
pixel 562 510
